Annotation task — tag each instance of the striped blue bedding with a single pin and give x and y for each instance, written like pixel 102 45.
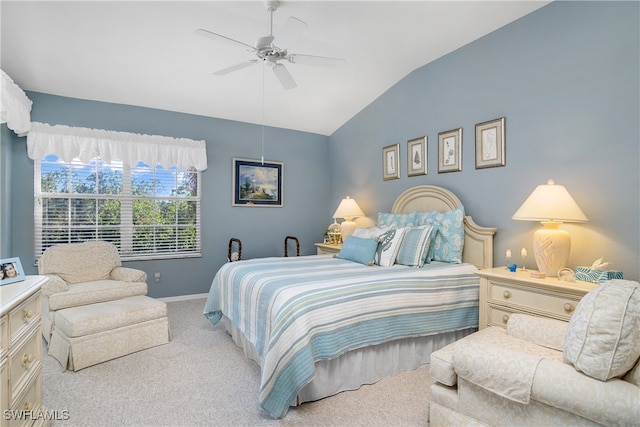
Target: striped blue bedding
pixel 298 310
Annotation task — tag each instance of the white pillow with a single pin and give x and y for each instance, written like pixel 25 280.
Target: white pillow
pixel 370 232
pixel 388 247
pixel 603 336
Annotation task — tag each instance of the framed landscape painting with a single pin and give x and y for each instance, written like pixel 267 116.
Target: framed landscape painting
pixel 256 183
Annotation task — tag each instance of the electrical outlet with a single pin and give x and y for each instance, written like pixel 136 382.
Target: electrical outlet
pixel 156 276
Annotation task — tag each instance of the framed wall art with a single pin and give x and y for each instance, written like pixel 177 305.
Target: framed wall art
pixel 417 156
pixel 490 144
pixel 256 183
pixel 11 271
pixel 450 151
pixel 391 162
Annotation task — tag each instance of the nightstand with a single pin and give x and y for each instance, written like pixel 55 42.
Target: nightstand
pixel 503 292
pixel 326 248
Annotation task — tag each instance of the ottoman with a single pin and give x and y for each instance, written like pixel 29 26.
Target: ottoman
pixel 94 333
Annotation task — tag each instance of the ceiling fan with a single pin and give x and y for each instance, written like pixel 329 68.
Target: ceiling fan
pixel 272 55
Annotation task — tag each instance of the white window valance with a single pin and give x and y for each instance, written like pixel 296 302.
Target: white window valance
pixel 15 106
pixel 83 143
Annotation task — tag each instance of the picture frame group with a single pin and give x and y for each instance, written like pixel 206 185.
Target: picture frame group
pixel 11 271
pixel 490 146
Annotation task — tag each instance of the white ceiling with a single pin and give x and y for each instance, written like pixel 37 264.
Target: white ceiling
pixel 146 53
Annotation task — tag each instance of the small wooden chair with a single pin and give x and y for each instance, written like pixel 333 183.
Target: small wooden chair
pixel 286 245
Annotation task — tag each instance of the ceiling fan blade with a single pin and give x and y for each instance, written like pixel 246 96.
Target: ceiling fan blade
pixel 291 30
pixel 318 61
pixel 236 67
pixel 220 37
pixel 284 76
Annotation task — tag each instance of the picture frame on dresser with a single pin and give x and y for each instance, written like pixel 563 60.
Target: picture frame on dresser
pixel 257 183
pixel 450 151
pixel 11 271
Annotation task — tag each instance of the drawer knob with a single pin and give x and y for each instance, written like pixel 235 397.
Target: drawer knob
pixel 506 294
pixel 505 318
pixel 27 314
pixel 27 359
pixel 568 307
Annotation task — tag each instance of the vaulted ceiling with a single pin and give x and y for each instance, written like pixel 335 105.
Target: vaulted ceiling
pixel 146 53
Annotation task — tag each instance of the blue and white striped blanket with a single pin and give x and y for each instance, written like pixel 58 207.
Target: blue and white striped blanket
pixel 298 310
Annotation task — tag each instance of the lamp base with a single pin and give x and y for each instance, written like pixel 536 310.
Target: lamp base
pixel 551 247
pixel 347 228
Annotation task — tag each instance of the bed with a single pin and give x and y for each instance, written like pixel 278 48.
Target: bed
pixel 319 325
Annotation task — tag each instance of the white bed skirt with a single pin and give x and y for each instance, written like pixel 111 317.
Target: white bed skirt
pixel 362 366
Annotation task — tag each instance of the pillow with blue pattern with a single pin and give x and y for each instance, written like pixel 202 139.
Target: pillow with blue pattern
pixel 448 241
pixel 415 245
pixel 358 250
pixel 395 220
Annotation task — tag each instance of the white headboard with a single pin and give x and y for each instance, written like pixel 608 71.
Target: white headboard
pixel 478 241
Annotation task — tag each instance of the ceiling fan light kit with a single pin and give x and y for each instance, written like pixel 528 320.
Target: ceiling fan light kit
pixel 270 54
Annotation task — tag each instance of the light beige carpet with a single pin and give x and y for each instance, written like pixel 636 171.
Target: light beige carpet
pixel 202 378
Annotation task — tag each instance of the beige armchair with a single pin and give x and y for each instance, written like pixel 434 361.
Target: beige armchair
pixel 93 309
pixel 543 371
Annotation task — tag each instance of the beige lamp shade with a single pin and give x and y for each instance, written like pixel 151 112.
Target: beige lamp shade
pixel 348 209
pixel 551 205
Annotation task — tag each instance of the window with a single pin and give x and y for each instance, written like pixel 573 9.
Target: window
pixel 147 212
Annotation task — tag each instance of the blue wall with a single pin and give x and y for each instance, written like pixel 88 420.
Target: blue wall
pixel 261 230
pixel 566 78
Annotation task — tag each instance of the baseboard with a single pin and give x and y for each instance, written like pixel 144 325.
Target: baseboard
pixel 182 297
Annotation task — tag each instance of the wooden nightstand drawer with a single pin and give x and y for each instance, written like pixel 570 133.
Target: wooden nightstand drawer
pixel 327 249
pixel 24 315
pixel 555 305
pixel 503 293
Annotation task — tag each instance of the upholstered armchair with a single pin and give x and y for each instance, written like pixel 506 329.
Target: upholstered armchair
pixel 84 273
pixel 542 371
pixel 95 310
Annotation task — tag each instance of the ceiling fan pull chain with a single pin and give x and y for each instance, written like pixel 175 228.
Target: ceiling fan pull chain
pixel 262 152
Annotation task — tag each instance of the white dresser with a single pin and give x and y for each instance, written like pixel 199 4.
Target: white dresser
pixel 21 353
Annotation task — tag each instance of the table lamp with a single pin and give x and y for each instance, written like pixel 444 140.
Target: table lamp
pixel 348 209
pixel 551 205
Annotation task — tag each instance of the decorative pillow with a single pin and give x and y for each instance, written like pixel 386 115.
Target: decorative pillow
pixel 359 250
pixel 370 232
pixel 603 336
pixel 396 220
pixel 388 247
pixel 448 241
pixel 415 245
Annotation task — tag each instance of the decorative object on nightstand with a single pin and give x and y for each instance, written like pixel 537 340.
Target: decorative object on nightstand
pixel 551 205
pixel 333 234
pixel 347 209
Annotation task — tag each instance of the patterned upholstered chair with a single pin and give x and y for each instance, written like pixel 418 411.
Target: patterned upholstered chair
pixel 93 309
pixel 542 371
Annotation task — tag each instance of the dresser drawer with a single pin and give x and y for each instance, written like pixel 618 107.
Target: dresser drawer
pixel 498 316
pixel 552 304
pixel 4 386
pixel 23 361
pixel 24 315
pixel 28 407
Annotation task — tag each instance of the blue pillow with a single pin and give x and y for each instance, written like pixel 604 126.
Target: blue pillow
pixel 415 245
pixel 359 250
pixel 448 241
pixel 395 220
